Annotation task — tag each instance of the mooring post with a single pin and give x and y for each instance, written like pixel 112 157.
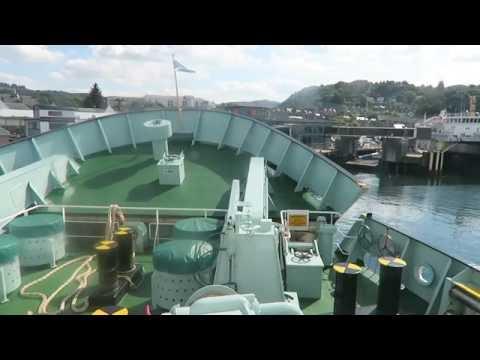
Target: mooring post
pixel 437 163
pixel 430 163
pixel 441 161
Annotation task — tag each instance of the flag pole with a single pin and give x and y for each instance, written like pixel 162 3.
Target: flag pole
pixel 176 90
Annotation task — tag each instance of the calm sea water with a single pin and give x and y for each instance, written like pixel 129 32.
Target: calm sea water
pixel 444 213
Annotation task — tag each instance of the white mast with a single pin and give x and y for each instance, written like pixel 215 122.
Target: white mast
pixel 176 90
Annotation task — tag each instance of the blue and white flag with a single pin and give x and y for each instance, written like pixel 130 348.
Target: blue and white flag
pixel 179 67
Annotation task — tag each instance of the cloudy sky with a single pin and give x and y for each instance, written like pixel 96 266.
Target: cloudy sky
pixel 232 73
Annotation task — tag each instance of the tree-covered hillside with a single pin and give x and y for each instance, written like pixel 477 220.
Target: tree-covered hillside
pixel 394 96
pixel 43 97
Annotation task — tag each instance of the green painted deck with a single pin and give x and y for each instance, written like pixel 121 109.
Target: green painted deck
pixel 129 177
pixel 324 305
pixel 137 299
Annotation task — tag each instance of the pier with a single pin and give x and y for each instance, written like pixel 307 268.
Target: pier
pixel 401 149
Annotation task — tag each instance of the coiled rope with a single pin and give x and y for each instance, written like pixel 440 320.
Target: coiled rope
pixel 80 277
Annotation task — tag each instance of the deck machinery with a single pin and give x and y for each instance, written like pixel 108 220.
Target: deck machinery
pixel 257 255
pixel 171 168
pixel 245 226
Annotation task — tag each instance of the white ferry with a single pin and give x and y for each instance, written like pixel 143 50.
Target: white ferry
pixel 455 127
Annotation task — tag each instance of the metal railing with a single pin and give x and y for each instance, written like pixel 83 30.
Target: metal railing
pixel 283 216
pixel 4 221
pixel 154 210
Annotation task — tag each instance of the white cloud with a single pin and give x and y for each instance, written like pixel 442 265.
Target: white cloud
pixel 125 72
pixel 29 53
pixel 240 90
pixel 229 72
pixel 149 69
pixel 129 52
pixel 16 79
pixel 213 55
pixel 57 75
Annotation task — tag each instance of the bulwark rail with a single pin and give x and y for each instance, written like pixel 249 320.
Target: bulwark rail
pixel 154 210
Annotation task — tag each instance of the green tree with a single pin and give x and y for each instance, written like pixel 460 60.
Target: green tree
pixel 431 104
pixel 441 86
pixel 119 104
pixel 337 98
pixel 407 97
pixel 94 98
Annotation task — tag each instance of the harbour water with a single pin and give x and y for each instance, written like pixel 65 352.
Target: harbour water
pixel 444 213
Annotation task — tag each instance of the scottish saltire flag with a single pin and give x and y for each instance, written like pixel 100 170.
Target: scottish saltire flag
pixel 179 67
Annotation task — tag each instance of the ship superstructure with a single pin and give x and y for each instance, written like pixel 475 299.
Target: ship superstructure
pixel 204 213
pixel 456 127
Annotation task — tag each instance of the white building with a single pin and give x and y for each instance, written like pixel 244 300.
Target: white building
pixel 186 101
pixel 13 115
pixel 15 110
pixel 46 118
